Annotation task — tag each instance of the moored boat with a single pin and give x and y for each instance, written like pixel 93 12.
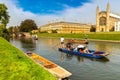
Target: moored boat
pixel 92 54
pixel 77 41
pixel 53 68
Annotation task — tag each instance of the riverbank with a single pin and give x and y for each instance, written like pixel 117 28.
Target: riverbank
pixel 14 65
pixel 110 36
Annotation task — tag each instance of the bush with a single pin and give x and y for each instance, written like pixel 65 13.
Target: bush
pixel 5 34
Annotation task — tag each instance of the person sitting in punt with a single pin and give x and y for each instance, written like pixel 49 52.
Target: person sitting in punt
pixel 82 49
pixel 86 50
pixel 69 46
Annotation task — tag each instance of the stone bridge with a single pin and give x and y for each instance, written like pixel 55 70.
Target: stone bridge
pixel 26 34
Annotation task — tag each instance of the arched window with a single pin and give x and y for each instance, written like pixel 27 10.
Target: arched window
pixel 102 21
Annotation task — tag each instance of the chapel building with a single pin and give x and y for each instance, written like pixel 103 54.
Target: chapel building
pixel 107 21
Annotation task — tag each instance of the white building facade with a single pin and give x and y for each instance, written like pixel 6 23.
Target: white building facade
pixel 117 26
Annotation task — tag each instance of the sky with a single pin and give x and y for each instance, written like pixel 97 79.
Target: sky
pixel 49 11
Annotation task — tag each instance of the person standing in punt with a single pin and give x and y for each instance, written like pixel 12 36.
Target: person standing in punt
pixel 62 42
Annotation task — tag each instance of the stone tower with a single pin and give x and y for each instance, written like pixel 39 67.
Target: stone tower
pixel 103 19
pixel 97 19
pixel 108 18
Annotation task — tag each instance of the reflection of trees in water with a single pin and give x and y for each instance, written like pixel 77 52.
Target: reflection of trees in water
pixel 28 43
pixel 26 40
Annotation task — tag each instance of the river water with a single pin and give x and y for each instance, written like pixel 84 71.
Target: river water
pixel 80 67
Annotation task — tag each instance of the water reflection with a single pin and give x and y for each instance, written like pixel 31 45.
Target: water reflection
pixel 52 42
pixel 64 56
pixel 28 44
pixel 102 69
pixel 69 56
pixel 102 46
pixel 103 59
pixel 80 58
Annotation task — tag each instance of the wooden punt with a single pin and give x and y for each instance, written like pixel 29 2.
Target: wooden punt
pixel 92 54
pixel 77 41
pixel 53 68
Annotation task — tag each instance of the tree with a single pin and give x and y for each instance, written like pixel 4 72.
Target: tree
pixel 28 25
pixel 92 29
pixel 4 17
pixel 10 29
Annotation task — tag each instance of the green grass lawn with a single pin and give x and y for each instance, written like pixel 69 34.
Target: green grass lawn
pixel 91 35
pixel 14 65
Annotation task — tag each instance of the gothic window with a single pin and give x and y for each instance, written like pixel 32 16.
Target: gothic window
pixel 102 21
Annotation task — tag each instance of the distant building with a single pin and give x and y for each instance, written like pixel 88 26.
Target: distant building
pixel 105 20
pixel 117 26
pixel 65 27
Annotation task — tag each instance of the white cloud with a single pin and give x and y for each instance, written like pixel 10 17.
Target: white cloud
pixel 83 14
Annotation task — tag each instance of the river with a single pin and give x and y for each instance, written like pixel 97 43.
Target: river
pixel 80 67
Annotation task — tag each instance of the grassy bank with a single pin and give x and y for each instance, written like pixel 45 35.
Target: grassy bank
pixel 100 35
pixel 14 65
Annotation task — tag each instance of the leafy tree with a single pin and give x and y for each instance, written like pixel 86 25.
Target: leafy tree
pixel 5 34
pixel 4 17
pixel 92 29
pixel 28 25
pixel 10 29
